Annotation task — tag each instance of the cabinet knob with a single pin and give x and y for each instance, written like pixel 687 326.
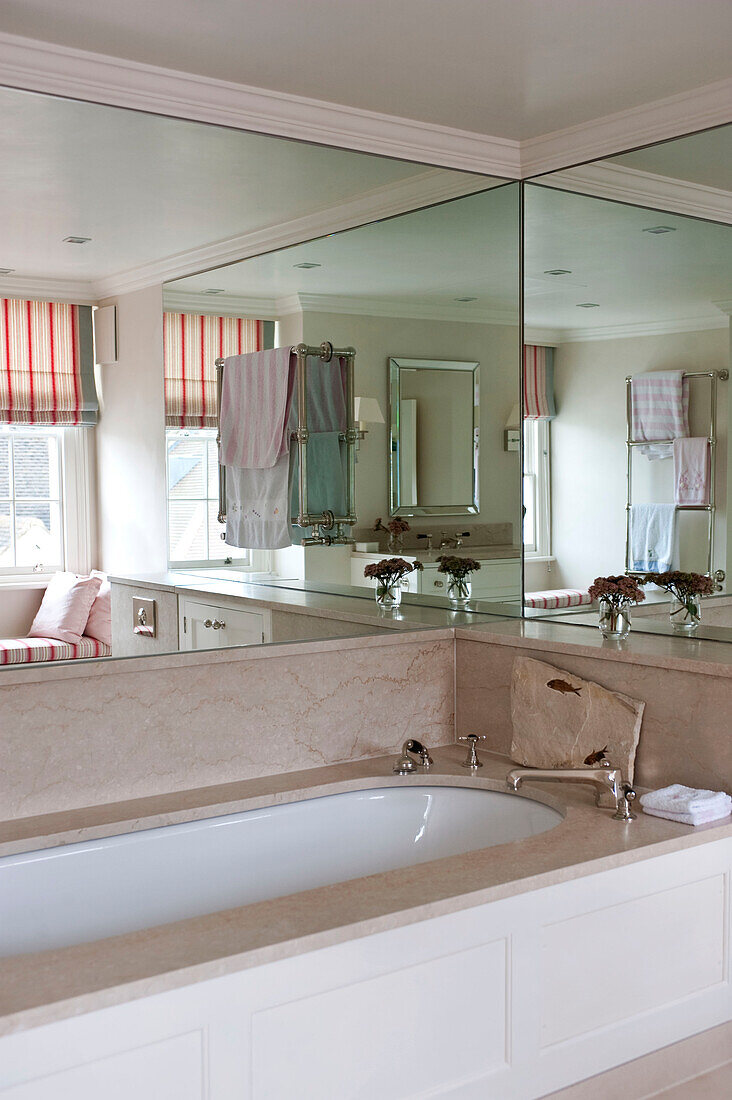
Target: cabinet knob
pixel 439 584
pixel 208 623
pixel 218 624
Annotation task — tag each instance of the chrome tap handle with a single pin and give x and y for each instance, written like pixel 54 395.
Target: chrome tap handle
pixel 471 760
pixel 625 801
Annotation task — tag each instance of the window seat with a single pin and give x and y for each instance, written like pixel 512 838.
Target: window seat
pixel 557 597
pixel 23 651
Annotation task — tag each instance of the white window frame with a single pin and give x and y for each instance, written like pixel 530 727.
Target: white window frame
pixel 536 468
pixel 253 561
pixel 76 505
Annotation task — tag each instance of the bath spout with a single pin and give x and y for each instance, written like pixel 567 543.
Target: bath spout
pixel 611 792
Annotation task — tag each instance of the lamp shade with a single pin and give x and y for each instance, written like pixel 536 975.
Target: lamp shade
pixel 368 411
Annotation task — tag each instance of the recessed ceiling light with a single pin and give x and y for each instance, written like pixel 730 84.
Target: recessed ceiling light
pixel 76 240
pixel 306 266
pixel 558 271
pixel 588 305
pixel 214 290
pixel 657 229
pixel 6 270
pixel 467 298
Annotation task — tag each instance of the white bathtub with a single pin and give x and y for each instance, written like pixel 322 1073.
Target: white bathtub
pixel 88 891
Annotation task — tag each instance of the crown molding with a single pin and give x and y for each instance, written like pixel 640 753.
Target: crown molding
pixel 221 305
pixel 78 74
pixel 48 290
pixel 615 181
pixel 425 189
pixel 673 116
pixel 393 307
pixel 643 328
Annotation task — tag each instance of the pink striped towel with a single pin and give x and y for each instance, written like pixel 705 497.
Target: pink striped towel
pixel 255 401
pixel 660 406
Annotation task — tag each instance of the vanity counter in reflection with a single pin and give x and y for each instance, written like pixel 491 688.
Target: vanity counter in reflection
pixel 206 611
pixel 498 580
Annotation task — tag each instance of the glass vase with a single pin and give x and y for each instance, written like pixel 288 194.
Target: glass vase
pixel 458 591
pixel 388 596
pixel 395 544
pixel 685 615
pixel 614 622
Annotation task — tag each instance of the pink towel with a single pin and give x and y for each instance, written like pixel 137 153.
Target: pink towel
pixel 660 407
pixel 255 402
pixel 692 471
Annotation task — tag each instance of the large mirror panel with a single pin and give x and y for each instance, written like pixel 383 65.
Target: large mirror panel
pixel 629 282
pixel 430 303
pixel 107 463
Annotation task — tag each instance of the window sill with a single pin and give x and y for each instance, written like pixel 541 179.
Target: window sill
pixel 539 557
pixel 31 580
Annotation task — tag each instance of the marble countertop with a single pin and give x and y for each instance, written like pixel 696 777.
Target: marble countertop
pixel 40 988
pixel 299 597
pixel 712 658
pixel 480 553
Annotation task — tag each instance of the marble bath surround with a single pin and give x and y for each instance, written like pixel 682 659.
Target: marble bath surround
pixel 94 751
pixel 52 985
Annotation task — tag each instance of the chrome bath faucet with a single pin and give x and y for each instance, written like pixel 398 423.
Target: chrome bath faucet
pixel 611 792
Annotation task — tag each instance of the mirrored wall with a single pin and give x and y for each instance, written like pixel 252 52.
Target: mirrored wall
pixel 628 278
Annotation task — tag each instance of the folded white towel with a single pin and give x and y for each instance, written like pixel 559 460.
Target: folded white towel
pixel 701 817
pixel 683 800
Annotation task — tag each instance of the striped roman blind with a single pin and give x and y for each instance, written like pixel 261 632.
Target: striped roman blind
pixel 191 345
pixel 46 363
pixel 539 383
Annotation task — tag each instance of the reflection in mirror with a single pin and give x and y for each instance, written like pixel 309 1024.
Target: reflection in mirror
pixel 89 477
pixel 430 296
pixel 434 435
pixel 634 297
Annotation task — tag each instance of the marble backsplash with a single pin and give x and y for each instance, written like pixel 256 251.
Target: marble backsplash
pixel 684 735
pixel 84 740
pixel 481 534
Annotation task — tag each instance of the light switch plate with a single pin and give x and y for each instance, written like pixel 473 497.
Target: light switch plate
pixel 144 617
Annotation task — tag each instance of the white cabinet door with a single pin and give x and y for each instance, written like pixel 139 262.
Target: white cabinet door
pixel 213 626
pixel 410 583
pixel 498 580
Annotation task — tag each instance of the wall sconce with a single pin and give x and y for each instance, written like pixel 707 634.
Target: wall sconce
pixel 512 432
pixel 366 411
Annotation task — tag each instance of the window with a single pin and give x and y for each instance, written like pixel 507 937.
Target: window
pixel 194 532
pixel 537 488
pixel 43 505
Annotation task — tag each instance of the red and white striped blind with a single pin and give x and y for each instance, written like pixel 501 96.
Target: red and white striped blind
pixel 191 345
pixel 539 383
pixel 46 363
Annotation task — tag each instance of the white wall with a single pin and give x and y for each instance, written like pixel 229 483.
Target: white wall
pixel 18 608
pixel 130 440
pixel 495 347
pixel 588 445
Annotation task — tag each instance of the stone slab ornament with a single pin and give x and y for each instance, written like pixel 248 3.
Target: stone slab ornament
pixel 562 721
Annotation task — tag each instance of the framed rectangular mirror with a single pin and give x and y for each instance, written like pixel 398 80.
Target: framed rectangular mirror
pixel 434 437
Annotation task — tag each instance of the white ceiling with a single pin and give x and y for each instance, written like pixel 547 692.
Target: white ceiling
pixel 425 259
pixel 420 263
pixel 509 68
pixel 145 187
pixel 704 159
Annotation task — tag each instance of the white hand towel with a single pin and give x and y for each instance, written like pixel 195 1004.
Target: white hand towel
pixel 692 470
pixel 653 537
pixel 702 817
pixel 683 800
pixel 258 506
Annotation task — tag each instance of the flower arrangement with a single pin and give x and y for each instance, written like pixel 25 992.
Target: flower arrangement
pixel 395 529
pixel 388 573
pixel 685 590
pixel 458 570
pixel 618 591
pixel 615 594
pixel 457 567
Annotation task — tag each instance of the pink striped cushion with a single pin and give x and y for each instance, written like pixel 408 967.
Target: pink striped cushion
pixel 24 651
pixel 558 597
